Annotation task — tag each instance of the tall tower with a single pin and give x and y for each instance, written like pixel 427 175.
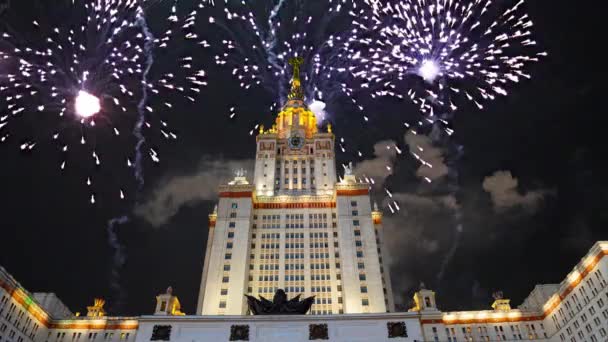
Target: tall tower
pixel 295 226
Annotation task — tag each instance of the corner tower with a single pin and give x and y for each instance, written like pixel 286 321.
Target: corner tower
pixel 295 227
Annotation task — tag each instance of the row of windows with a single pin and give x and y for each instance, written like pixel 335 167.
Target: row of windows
pixel 320 277
pixel 268 278
pixel 269 267
pixel 294 216
pixel 316 289
pixel 294 235
pixel 320 266
pixel 294 256
pixel 319 255
pixel 272 236
pixel 296 277
pixel 321 301
pixel 264 256
pixel 294 266
pixel 318 235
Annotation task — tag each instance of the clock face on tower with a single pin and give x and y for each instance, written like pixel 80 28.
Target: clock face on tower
pixel 295 141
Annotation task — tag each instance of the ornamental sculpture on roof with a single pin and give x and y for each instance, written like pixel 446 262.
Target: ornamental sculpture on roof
pixel 279 305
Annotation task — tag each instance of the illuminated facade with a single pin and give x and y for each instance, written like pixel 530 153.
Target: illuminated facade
pixel 576 310
pixel 296 226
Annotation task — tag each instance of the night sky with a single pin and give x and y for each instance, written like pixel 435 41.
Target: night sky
pixel 548 135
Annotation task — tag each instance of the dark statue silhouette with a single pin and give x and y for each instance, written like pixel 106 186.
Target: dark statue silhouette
pixel 279 305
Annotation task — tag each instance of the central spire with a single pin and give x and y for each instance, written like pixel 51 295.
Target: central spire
pixel 296 92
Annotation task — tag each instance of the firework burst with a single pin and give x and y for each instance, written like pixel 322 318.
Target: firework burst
pixel 71 81
pixel 255 40
pixel 439 52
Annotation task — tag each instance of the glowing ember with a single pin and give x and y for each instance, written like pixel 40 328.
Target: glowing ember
pixel 429 70
pixel 86 105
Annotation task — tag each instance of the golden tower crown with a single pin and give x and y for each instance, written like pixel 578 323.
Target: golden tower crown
pixel 295 115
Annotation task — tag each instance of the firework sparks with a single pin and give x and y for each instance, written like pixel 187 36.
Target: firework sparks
pixel 255 40
pixel 472 50
pixel 90 75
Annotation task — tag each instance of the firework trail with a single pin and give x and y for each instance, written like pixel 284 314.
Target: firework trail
pixel 141 107
pixel 118 260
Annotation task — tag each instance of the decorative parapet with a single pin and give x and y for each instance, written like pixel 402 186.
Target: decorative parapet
pixel 95 323
pixel 578 274
pixel 23 297
pixel 482 317
pixel 236 191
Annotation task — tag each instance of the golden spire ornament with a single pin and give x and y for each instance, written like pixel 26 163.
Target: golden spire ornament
pixel 296 92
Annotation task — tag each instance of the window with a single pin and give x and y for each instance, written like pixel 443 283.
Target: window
pixel 234 205
pixel 357 233
pixel 358 243
pixel 365 302
pixel 222 304
pixel 232 215
pixel 359 254
pixel 229 245
pixel 353 203
pixel 226 267
pixel 361 276
pixel 361 266
pixel 355 213
pixel 363 289
pixel 228 256
pixel 225 279
pixel 231 224
pixel 230 235
pixel 224 292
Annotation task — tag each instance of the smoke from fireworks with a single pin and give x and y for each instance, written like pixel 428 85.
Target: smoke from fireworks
pixel 72 82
